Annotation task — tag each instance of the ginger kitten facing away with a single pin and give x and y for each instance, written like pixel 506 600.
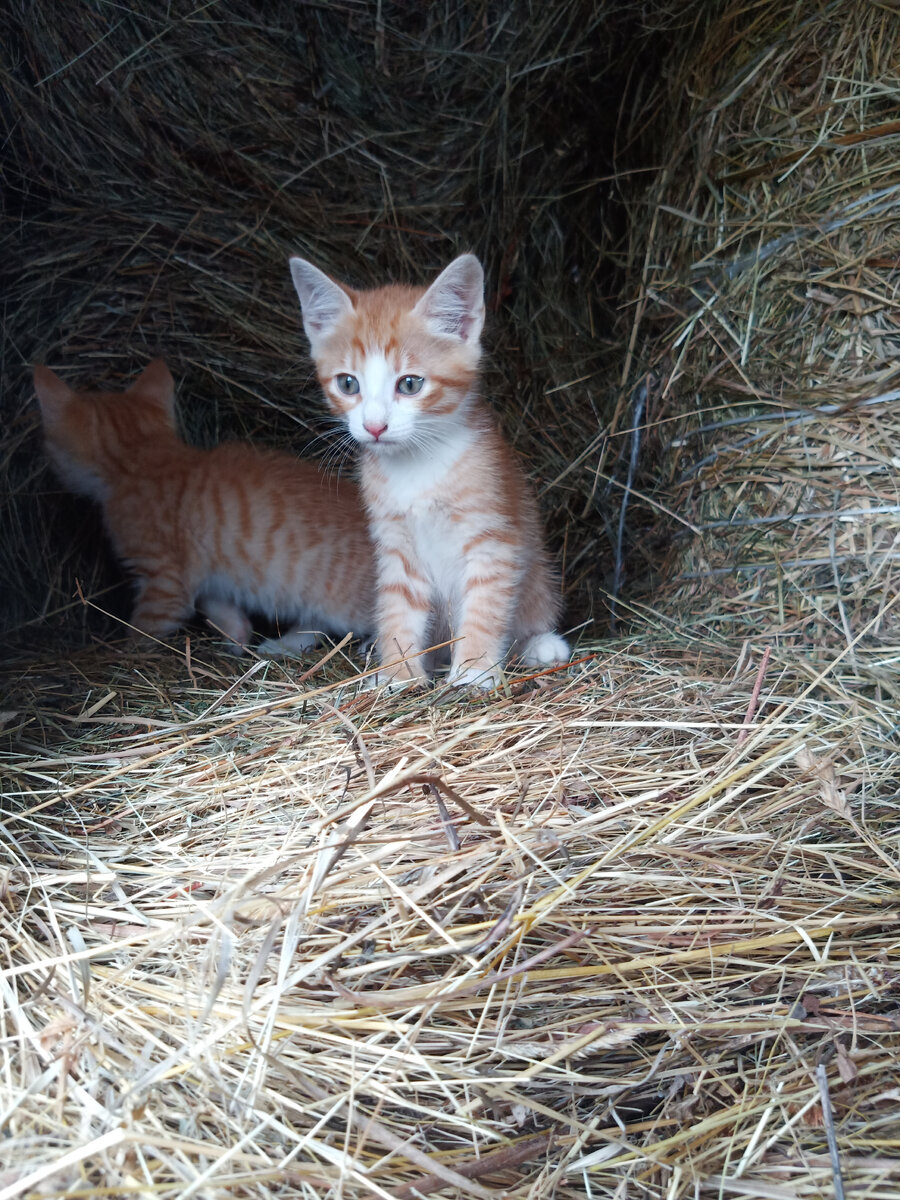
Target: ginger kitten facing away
pixel 229 531
pixel 457 533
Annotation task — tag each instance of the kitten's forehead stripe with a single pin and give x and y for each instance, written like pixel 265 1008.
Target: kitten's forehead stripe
pixel 383 324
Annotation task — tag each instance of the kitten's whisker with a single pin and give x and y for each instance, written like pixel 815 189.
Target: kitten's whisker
pixel 321 437
pixel 328 435
pixel 338 453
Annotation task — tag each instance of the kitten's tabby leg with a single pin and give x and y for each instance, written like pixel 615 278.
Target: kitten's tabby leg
pixel 230 620
pixel 163 604
pixel 404 607
pixel 490 586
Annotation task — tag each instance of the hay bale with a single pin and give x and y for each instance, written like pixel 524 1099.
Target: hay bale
pixel 766 298
pixel 160 168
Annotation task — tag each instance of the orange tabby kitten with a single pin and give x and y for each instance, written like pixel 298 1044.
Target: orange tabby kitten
pixel 229 530
pixel 456 527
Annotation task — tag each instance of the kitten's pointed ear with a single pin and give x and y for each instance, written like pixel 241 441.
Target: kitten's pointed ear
pixel 53 395
pixel 322 301
pixel 454 304
pixel 156 382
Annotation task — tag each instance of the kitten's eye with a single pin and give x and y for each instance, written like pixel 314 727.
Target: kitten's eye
pixel 408 385
pixel 348 384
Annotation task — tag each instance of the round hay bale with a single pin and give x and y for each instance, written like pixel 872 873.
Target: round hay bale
pixel 770 271
pixel 160 167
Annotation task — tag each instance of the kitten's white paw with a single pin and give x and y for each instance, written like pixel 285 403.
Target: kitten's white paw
pixel 484 678
pixel 296 642
pixel 544 649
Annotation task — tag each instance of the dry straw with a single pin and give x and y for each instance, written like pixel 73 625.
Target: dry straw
pixel 772 254
pixel 265 935
pixel 625 930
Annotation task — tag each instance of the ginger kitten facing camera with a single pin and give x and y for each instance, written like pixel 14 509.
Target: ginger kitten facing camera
pixel 228 531
pixel 457 534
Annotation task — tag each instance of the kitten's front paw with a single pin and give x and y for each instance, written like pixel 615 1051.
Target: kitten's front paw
pixel 545 649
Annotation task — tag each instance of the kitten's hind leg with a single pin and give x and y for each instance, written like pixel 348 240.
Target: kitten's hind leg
pixel 294 642
pixel 163 604
pixel 228 619
pixel 535 644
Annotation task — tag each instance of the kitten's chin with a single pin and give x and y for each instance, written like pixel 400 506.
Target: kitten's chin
pixel 384 446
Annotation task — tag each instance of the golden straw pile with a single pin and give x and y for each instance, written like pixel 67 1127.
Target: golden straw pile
pixel 601 935
pixel 772 255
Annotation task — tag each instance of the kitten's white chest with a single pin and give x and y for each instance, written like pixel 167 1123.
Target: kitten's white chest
pixel 420 490
pixel 416 482
pixel 438 545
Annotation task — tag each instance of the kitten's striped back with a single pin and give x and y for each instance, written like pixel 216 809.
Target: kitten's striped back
pixel 231 530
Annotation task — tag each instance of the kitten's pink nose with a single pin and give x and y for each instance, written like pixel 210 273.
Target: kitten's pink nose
pixel 375 430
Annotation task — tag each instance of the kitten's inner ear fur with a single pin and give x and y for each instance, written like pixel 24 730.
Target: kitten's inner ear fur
pixel 454 304
pixel 155 383
pixel 323 302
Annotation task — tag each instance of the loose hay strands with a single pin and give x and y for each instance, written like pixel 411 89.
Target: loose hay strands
pixel 626 930
pixel 248 953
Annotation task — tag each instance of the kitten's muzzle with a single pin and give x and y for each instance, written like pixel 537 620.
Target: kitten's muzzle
pixel 375 428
